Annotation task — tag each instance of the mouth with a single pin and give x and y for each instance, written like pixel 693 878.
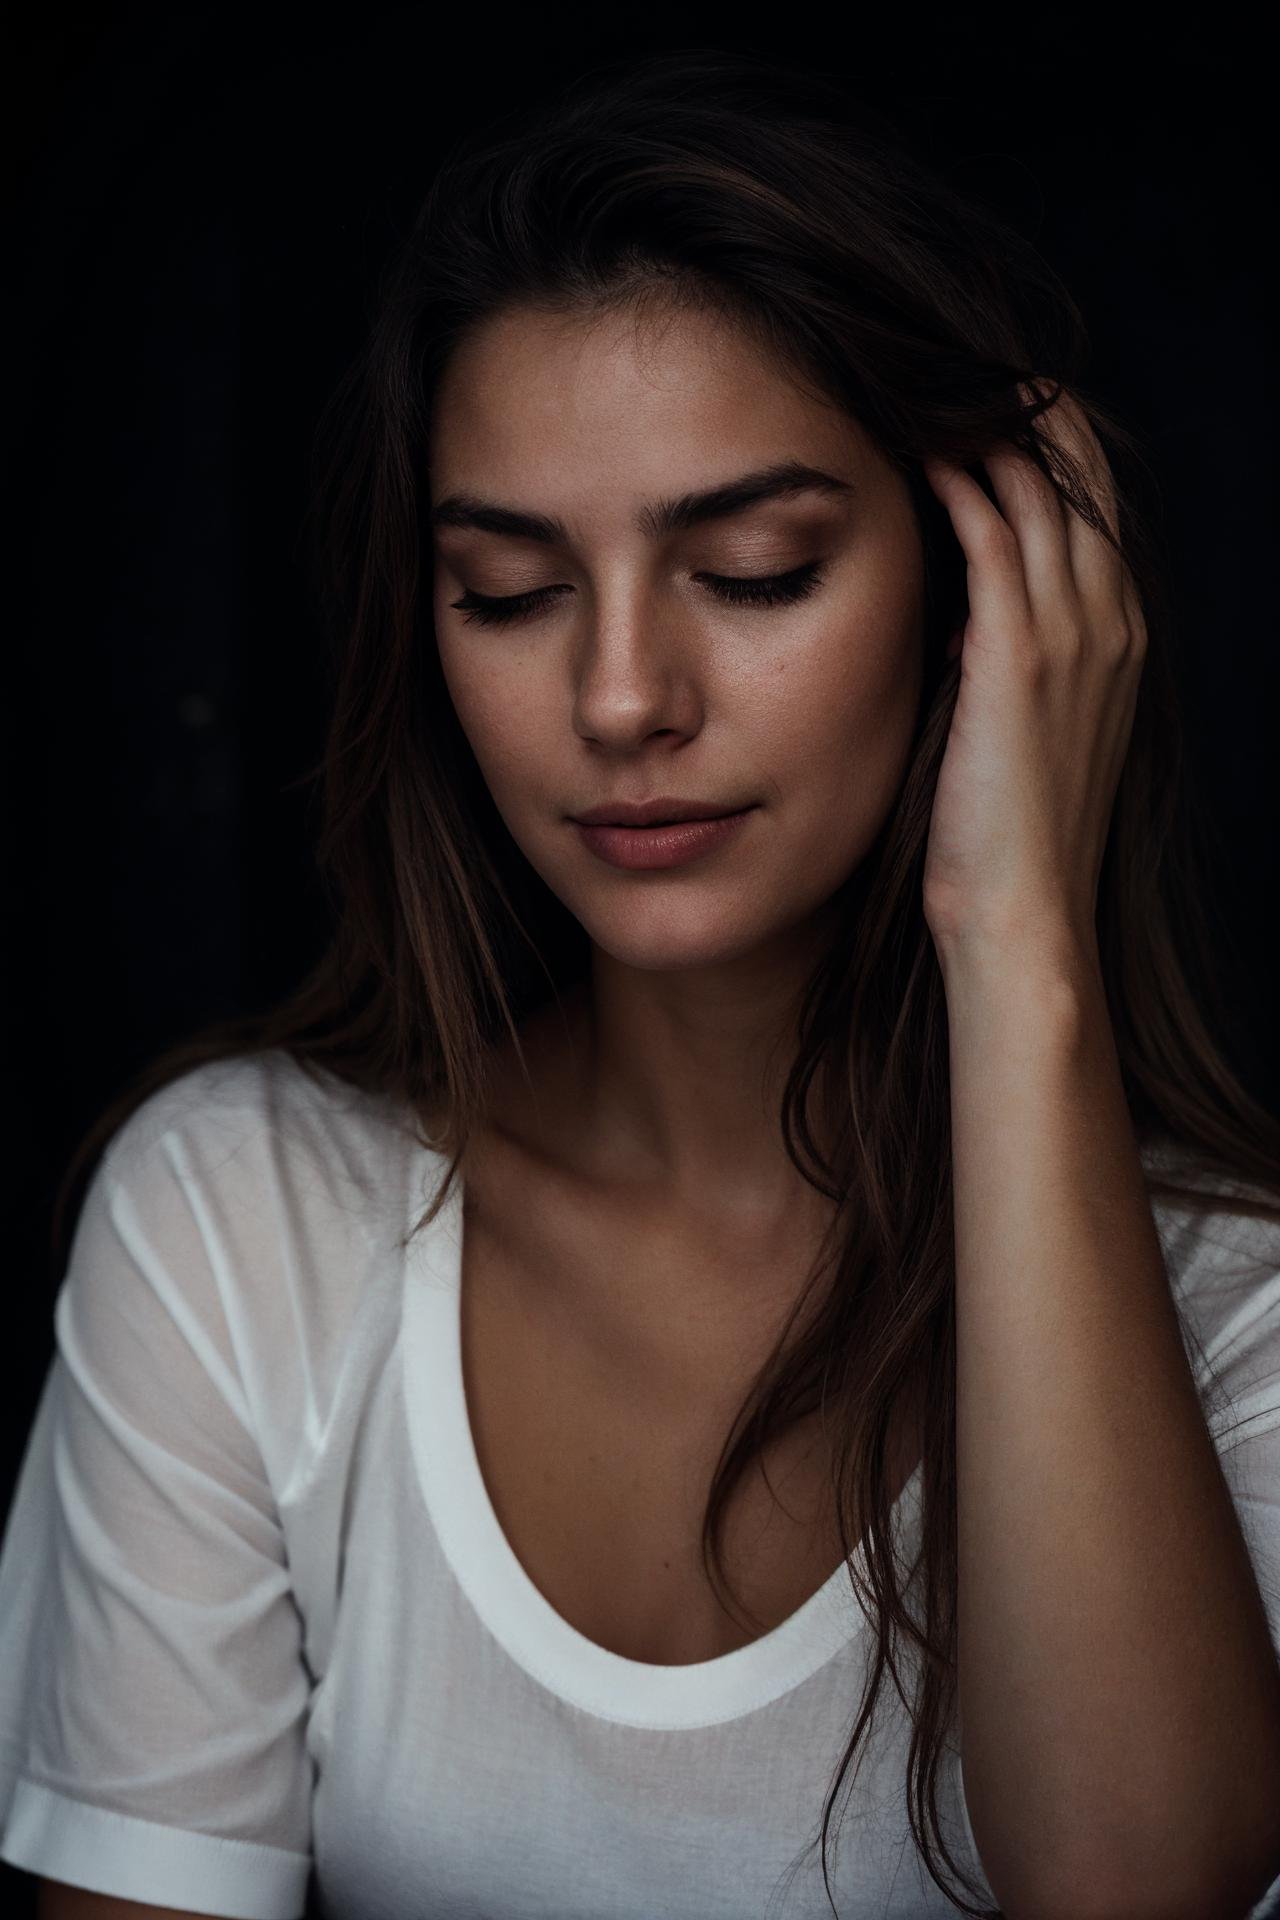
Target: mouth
pixel 659 813
pixel 658 845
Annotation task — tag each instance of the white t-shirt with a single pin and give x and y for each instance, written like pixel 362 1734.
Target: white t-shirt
pixel 262 1636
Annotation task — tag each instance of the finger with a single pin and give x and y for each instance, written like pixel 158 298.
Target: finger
pixel 1097 569
pixel 997 588
pixel 1066 421
pixel 1032 506
pixel 1135 622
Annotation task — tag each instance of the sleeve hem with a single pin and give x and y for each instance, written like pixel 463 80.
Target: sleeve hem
pixel 106 1852
pixel 968 1824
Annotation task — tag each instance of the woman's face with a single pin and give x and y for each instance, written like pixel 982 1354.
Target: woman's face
pixel 634 679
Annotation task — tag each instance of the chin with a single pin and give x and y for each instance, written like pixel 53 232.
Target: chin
pixel 666 938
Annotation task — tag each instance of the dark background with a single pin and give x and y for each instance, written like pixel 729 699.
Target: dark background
pixel 198 202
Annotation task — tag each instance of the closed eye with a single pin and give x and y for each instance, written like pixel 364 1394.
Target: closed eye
pixel 737 590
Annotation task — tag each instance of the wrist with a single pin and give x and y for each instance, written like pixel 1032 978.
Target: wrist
pixel 998 973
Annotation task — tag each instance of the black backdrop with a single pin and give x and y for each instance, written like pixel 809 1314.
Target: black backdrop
pixel 198 200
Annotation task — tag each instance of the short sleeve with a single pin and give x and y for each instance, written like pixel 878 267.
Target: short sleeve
pixel 1225 1271
pixel 153 1693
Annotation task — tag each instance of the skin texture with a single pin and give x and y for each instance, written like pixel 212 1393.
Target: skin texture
pixel 58 1901
pixel 1051 659
pixel 637 681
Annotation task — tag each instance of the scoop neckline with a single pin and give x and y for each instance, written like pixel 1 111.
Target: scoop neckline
pixel 520 1618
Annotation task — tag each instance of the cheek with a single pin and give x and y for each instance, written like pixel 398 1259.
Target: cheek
pixel 479 716
pixel 500 712
pixel 842 712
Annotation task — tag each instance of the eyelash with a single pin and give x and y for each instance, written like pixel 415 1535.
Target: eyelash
pixel 736 590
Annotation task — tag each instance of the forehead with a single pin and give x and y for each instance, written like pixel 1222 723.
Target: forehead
pixel 650 401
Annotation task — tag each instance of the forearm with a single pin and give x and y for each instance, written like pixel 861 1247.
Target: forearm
pixel 1119 1693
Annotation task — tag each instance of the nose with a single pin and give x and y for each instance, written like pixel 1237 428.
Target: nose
pixel 632 681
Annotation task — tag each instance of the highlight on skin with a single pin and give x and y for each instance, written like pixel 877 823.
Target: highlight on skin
pixel 807 708
pixel 730 199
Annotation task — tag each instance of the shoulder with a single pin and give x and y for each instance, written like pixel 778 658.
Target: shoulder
pixel 242 1093
pixel 1217 1239
pixel 250 1214
pixel 264 1119
pixel 1223 1267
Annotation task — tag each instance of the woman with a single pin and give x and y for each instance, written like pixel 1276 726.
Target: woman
pixel 762 935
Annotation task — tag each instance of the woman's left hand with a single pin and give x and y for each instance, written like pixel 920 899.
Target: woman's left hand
pixel 1050 660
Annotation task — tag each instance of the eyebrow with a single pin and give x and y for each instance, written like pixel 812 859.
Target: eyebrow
pixel 658 517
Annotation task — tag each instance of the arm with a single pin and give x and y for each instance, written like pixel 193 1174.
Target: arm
pixel 144 1575
pixel 1119 1692
pixel 58 1901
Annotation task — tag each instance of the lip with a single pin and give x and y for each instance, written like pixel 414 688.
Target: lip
pixel 641 849
pixel 665 809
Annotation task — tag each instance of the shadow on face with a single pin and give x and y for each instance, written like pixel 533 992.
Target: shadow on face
pixel 662 631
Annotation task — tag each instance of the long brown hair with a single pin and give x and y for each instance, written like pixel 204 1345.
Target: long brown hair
pixel 767 194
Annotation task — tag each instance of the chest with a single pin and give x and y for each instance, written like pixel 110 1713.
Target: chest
pixel 604 1362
